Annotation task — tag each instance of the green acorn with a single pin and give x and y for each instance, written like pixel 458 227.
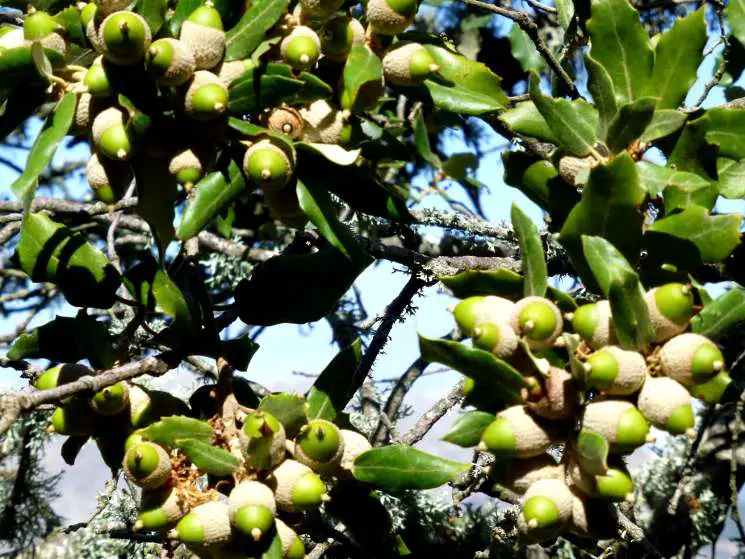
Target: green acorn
pixel 285 120
pixel 133 439
pixel 96 81
pixel 497 338
pixel 108 179
pixel 322 123
pixel 390 17
pixel 666 404
pixel 187 167
pixel 170 62
pixel 615 371
pixel 73 418
pixel 691 359
pixel 478 309
pixel 519 475
pixel 148 406
pixel 296 487
pixel 515 433
pixel 320 446
pixel 338 35
pixel 147 465
pixel 111 400
pixel 11 38
pixel 538 319
pixel 615 485
pixel 91 19
pixel 301 48
pixel 320 8
pixel 112 136
pixel 593 518
pixel 252 508
pixel 292 545
pixel 59 375
pixel 230 71
pixel 670 309
pixel 594 322
pixel 124 37
pixel 206 97
pixel 106 7
pixel 160 508
pixel 86 109
pixel 354 445
pixel 711 391
pixel 42 27
pixel 619 422
pixel 263 440
pixel 205 526
pixel 546 509
pixel 267 165
pixel 203 33
pixel 407 63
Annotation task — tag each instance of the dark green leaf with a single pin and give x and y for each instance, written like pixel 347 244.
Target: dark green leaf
pixel 721 315
pixel 238 352
pixel 735 13
pixel 526 119
pixel 248 33
pixel 679 197
pixel 289 409
pixel 457 165
pixel 565 8
pixel 332 390
pixel 72 447
pixel 211 459
pixel 69 19
pixel 95 341
pixel 256 90
pixel 170 429
pixel 17 67
pixel 531 253
pixel 468 428
pixel 157 193
pixel 362 78
pixel 171 300
pixel 55 340
pixel 398 467
pixel 600 86
pixel 421 141
pixel 524 50
pixel 692 151
pixel 591 450
pixel 630 122
pixel 727 130
pixel 154 12
pixel 664 122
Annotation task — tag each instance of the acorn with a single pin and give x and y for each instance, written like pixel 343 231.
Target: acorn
pixel 286 120
pixel 515 433
pixel 187 167
pixel 594 323
pixel 292 545
pixel 108 179
pixel 497 338
pixel 148 406
pixel 11 38
pixel 284 206
pixel 390 17
pixel 133 439
pixel 354 445
pixel 407 63
pixel 42 27
pixel 96 81
pixel 206 97
pixel 338 35
pixel 558 395
pixel 320 8
pixel 59 375
pixel 538 319
pixel 160 508
pixel 614 485
pixel 252 508
pixel 73 418
pixel 147 465
pixel 301 48
pixel 111 135
pixel 124 37
pixel 593 518
pixel 111 400
pixel 620 422
pixel 86 109
pixel 546 509
pixel 106 7
pixel 711 391
pixel 89 16
pixel 519 475
pixel 205 526
pixel 319 445
pixel 296 487
pixel 322 123
pixel 230 71
pixel 478 309
pixel 267 165
pixel 615 371
pixel 670 309
pixel 170 62
pixel 666 404
pixel 264 440
pixel 203 33
pixel 691 359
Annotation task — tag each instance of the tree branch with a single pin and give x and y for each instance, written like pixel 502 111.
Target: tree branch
pixel 433 415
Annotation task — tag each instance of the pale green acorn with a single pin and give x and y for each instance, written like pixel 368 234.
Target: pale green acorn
pixel 147 465
pixel 286 120
pixel 111 400
pixel 187 167
pixel 338 35
pixel 320 446
pixel 73 418
pixel 614 485
pixel 497 338
pixel 520 474
pixel 203 33
pixel 231 70
pixel 712 390
pixel 354 445
pixel 205 526
pixel 691 359
pixel 124 38
pixel 170 62
pixel 267 165
pixel 408 63
pixel 594 323
pixel 263 440
pixel 390 17
pixel 160 508
pixel 96 80
pixel 301 48
pixel 252 508
pixel 546 509
pixel 148 406
pixel 112 136
pixel 615 371
pixel 515 433
pixel 296 487
pixel 478 309
pixel 619 422
pixel 666 404
pixel 59 375
pixel 206 97
pixel 670 309
pixel 292 545
pixel 42 27
pixel 538 320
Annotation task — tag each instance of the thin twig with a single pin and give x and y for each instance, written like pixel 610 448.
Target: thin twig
pixel 433 415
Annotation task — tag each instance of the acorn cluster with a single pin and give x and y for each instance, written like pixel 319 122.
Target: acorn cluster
pixel 190 79
pixel 611 395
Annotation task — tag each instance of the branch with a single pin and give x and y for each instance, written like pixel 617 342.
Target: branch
pixel 636 534
pixel 396 397
pixel 433 415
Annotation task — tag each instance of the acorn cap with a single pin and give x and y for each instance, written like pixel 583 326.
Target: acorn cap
pixel 297 487
pixel 354 445
pixel 73 418
pixel 267 165
pixel 124 37
pixel 390 17
pixel 111 400
pixel 322 123
pixel 97 81
pixel 711 391
pixel 593 518
pixel 111 135
pixel 285 120
pixel 338 35
pixel 206 97
pixel 170 62
pixel 594 322
pixel 616 371
pixel 160 508
pixel 85 111
pixel 691 359
pixel 230 71
pixel 251 493
pixel 666 404
pixel 203 33
pixel 521 474
pixel 106 7
pixel 557 395
pixel 292 545
pixel 497 338
pixel 546 508
pixel 321 8
pixel 619 422
pixel 301 48
pixel 538 319
pixel 477 309
pixel 615 485
pixel 147 465
pixel 670 309
pixel 408 63
pixel 263 439
pixel 515 433
pixel 59 375
pixel 186 166
pixel 206 525
pixel 319 445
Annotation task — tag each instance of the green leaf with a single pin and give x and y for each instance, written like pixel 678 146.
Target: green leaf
pixel 526 119
pixel 524 50
pixel 664 122
pixel 565 9
pixel 211 459
pixel 17 67
pixel 531 253
pixel 213 193
pixel 609 208
pixel 735 14
pixel 727 130
pixel 72 447
pixel 171 300
pixel 573 122
pixel 96 343
pixel 362 78
pixel 256 90
pixel 398 467
pixel 313 87
pixel 248 33
pixel 692 151
pixel 157 193
pixel 55 340
pixel 53 132
pixel 238 352
pixel 457 165
pixel 177 427
pixel 69 19
pixel 620 43
pixel 656 179
pixel 600 86
pixel 731 175
pixel 468 428
pixel 620 283
pixel 184 8
pixel 483 367
pixel 679 197
pixel 591 450
pixel 154 12
pixel 718 318
pixel 706 238
pixel 421 141
pixel 333 388
pixel 678 54
pixel 630 123
pixel 289 409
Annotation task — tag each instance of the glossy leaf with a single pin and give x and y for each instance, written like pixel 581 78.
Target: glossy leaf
pixel 565 9
pixel 171 300
pixel 693 152
pixel 735 13
pixel 17 67
pixel 362 77
pixel 629 123
pixel 55 340
pixel 399 467
pixel 524 50
pixel 168 430
pixel 96 343
pixel 531 253
pixel 289 409
pixel 731 175
pixel 458 165
pixel 255 91
pixel 591 451
pixel 239 351
pixel 526 119
pixel 248 33
pixel 655 179
pixel 664 122
pixel 208 458
pixel 721 315
pixel 421 141
pixel 600 86
pixel 72 447
pixel 727 130
pixel 154 12
pixel 466 431
pixel 157 193
pixel 333 388
pixel 680 197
